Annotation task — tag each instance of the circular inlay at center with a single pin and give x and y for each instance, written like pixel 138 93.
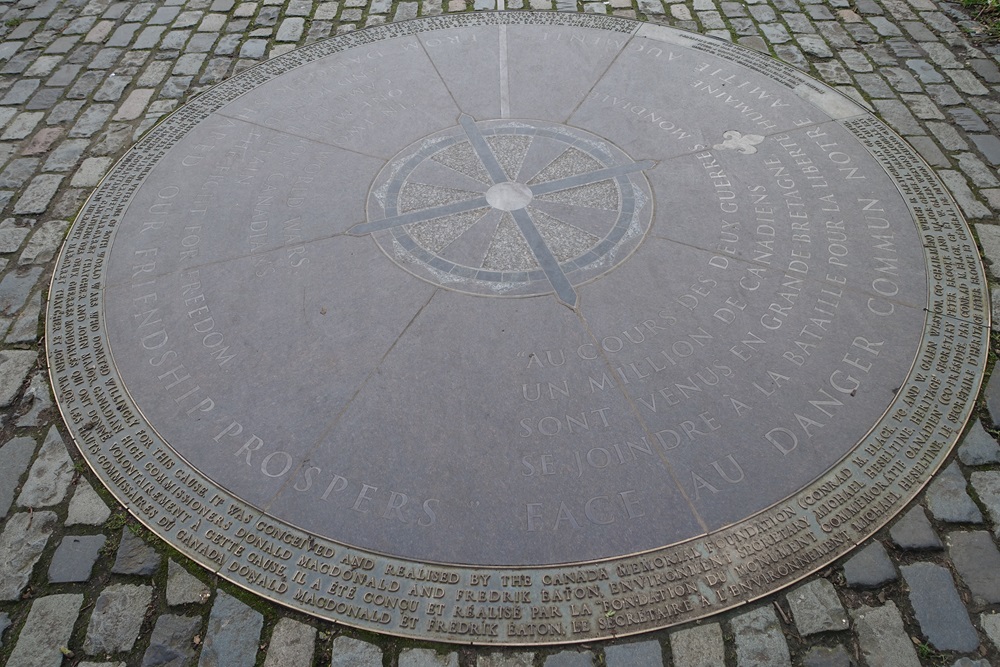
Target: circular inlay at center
pixel 509 196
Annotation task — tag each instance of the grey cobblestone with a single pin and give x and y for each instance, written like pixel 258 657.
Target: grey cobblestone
pixel 134 556
pixel 869 568
pixel 989 146
pixel 883 638
pixel 86 507
pixel 967 82
pixel 46 630
pixel 171 643
pixel 561 659
pixel 292 643
pixel 978 447
pixel 519 659
pixel 50 474
pixel 184 588
pixel 759 640
pixel 66 155
pixel 914 532
pixel 75 557
pixel 350 652
pixel 968 120
pixel 22 125
pixel 959 188
pixel 977 561
pixel 232 634
pixel 700 646
pixel 939 609
pixel 948 500
pixel 116 619
pixel 947 136
pixel 44 242
pixel 930 151
pixel 91 120
pixel 16 173
pixel 634 653
pixel 15 456
pixel 22 542
pixel 816 608
pixel 824 656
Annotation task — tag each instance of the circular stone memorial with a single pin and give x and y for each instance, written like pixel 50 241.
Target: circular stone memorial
pixel 517 328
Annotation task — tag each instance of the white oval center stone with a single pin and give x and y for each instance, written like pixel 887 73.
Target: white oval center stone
pixel 509 196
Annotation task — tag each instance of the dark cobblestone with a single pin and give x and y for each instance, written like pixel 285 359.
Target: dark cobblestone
pixel 914 532
pixel 869 568
pixel 939 610
pixel 74 558
pixel 135 556
pixel 948 500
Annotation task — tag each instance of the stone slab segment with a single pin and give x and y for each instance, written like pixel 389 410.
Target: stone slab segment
pixel 425 657
pixel 759 639
pixel 232 634
pixel 75 557
pixel 21 545
pixel 977 561
pixel 816 608
pixel 48 627
pixel 914 532
pixel 349 652
pixel 172 642
pixel 940 612
pixel 86 507
pixel 183 587
pixel 135 556
pixel 978 447
pixel 292 643
pixel 15 456
pixel 882 637
pixel 700 646
pixel 116 619
pixel 948 500
pixel 647 652
pixel 869 568
pixel 50 474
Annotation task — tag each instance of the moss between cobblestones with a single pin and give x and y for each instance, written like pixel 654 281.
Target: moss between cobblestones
pixel 986 11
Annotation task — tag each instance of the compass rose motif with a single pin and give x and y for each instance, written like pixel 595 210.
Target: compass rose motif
pixel 510 208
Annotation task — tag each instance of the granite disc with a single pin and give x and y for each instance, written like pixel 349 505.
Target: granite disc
pixel 517 328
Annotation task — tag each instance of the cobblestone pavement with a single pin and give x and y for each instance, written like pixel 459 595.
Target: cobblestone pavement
pixel 81 584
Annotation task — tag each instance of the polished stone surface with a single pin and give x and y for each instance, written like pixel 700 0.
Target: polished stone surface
pixel 378 318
